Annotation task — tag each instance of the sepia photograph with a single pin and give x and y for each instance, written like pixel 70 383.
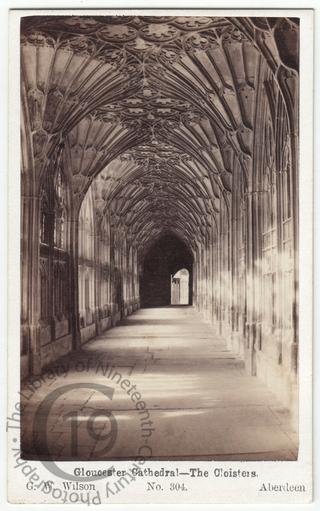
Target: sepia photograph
pixel 160 256
pixel 159 237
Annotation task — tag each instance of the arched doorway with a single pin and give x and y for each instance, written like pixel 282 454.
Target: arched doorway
pixel 160 263
pixel 180 287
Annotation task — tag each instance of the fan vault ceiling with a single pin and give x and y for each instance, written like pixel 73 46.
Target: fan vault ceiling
pixel 156 114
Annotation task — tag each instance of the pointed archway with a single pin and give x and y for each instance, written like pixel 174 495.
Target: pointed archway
pixel 164 258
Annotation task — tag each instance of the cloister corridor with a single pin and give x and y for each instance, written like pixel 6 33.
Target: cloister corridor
pixel 160 165
pixel 200 401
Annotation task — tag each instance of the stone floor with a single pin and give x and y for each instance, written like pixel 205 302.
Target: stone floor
pixel 199 403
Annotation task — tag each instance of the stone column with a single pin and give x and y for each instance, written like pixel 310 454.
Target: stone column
pixel 30 268
pixel 74 281
pixel 97 272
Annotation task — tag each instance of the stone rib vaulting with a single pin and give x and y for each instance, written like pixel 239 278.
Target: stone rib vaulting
pixel 151 145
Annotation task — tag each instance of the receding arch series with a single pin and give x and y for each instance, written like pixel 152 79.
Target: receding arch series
pixel 139 133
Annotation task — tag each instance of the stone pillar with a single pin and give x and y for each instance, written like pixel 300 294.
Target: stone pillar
pixel 32 282
pixel 97 273
pixel 250 275
pixel 74 281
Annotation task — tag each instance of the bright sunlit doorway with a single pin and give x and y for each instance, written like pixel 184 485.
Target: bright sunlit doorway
pixel 180 287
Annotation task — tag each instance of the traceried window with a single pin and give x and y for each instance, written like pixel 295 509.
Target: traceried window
pixel 53 247
pixel 286 182
pixel 60 289
pixel 44 312
pixel 53 212
pixel 87 292
pixel 86 228
pixel 44 218
pixel 269 232
pixel 86 267
pixel 60 209
pixel 287 234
